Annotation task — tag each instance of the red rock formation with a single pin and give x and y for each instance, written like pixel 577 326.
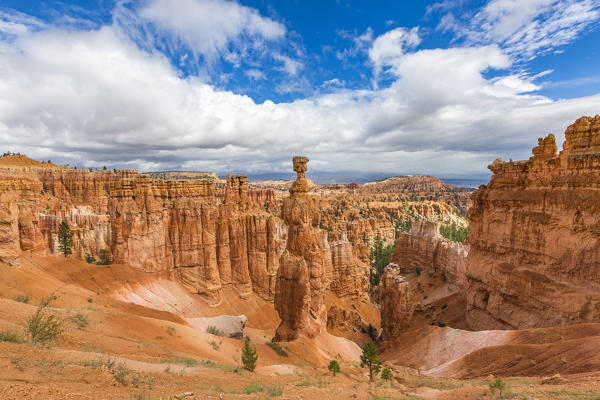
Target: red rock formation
pixel 153 225
pixel 397 306
pixel 301 279
pixel 420 253
pixel 349 275
pixel 424 248
pixel 535 237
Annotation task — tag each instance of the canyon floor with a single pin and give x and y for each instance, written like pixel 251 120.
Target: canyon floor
pixel 125 350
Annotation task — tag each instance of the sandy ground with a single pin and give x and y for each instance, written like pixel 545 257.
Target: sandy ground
pixel 137 344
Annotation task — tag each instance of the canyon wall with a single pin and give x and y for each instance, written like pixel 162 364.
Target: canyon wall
pixel 423 248
pixel 205 237
pixel 535 237
pixel 423 262
pixel 205 240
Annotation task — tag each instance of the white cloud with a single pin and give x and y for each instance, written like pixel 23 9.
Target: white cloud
pixel 387 49
pixel 206 27
pixel 16 24
pixel 96 98
pixel 526 28
pixel 255 74
pixel 289 65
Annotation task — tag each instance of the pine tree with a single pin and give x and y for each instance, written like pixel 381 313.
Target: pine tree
pixel 334 367
pixel 370 359
pixel 249 356
pixel 65 238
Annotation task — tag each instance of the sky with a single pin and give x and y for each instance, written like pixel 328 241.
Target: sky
pixel 365 89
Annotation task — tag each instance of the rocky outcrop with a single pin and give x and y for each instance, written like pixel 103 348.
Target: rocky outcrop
pixel 349 275
pixel 302 275
pixel 396 302
pixel 186 228
pixel 423 248
pixel 535 237
pixel 422 260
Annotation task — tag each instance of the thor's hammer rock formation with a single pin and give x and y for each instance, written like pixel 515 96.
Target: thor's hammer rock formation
pixel 303 266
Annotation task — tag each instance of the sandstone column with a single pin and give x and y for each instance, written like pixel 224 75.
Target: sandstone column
pixel 301 277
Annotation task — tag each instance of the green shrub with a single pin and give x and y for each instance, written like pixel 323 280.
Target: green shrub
pixel 213 330
pixel 277 348
pixel 499 385
pixel 90 259
pixel 43 326
pixel 104 257
pixel 386 374
pixel 334 367
pixel 11 336
pixel 249 356
pixel 170 330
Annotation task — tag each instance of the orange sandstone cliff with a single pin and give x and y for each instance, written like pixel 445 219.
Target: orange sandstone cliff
pixel 180 227
pixel 426 273
pixel 535 237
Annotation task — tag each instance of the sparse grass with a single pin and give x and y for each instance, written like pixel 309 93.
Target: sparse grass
pixel 141 396
pixel 23 298
pixel 191 362
pixel 277 348
pixel 574 394
pixel 216 346
pixel 170 330
pixel 188 362
pixel 257 387
pixel 20 363
pixel 104 362
pixel 11 336
pixel 80 320
pixel 213 330
pixel 122 373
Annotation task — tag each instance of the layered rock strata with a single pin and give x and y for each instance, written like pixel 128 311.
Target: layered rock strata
pixel 310 265
pixel 302 275
pixel 186 228
pixel 535 237
pixel 421 257
pixel 423 248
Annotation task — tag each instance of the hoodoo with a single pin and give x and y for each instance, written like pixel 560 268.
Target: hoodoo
pixel 301 278
pixel 535 237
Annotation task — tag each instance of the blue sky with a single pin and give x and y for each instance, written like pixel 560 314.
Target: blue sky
pixel 364 88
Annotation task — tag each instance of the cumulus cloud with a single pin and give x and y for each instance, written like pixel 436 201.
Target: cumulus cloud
pixel 388 48
pixel 97 97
